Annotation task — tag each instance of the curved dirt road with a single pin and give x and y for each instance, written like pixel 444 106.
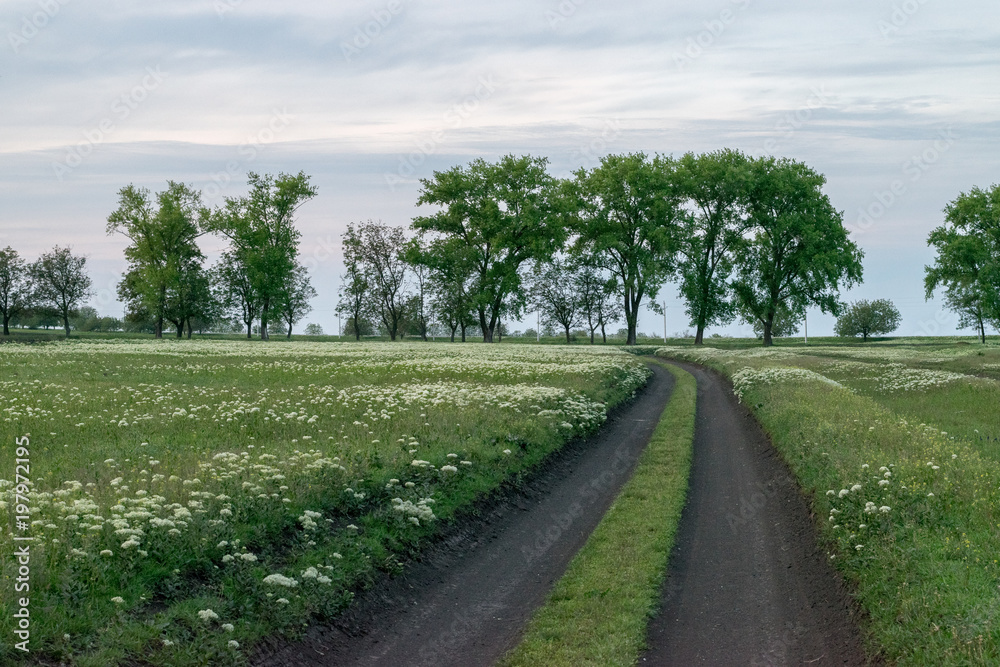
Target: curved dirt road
pixel 746 583
pixel 468 601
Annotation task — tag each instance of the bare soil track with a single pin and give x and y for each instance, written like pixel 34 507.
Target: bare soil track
pixel 466 603
pixel 747 584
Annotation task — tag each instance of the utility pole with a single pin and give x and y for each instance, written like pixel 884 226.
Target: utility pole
pixel 805 331
pixel 340 329
pixel 538 326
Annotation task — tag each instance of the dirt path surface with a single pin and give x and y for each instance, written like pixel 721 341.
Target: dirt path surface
pixel 467 602
pixel 746 584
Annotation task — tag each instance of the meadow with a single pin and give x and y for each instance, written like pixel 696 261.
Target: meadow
pixel 190 499
pixel 896 446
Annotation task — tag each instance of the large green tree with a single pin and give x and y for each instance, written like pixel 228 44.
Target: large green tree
pixel 15 287
pixel 164 260
pixel 715 185
pixel 629 217
pixel 61 282
pixel 798 253
pixel 494 217
pixel 380 253
pixel 868 318
pixel 234 290
pixel 261 229
pixel 294 297
pixel 967 265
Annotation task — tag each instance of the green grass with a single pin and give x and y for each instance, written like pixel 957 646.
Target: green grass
pixel 925 570
pixel 598 611
pixel 177 475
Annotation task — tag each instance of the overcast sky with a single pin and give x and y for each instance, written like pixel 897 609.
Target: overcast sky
pixel 895 102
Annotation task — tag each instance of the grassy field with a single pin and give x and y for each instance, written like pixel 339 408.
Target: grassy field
pixel 897 445
pixel 189 498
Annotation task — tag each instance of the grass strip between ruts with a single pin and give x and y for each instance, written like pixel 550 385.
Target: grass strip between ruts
pixel 598 611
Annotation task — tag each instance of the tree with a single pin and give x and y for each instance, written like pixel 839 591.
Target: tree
pixel 235 290
pixel 16 291
pixel 164 257
pixel 967 265
pixel 596 296
pixel 554 291
pixel 378 252
pixel 799 253
pixel 293 299
pixel 786 323
pixel 629 216
pixel 494 218
pixel 61 282
pixel 715 183
pixel 419 305
pixel 866 318
pixel 261 229
pixel 313 329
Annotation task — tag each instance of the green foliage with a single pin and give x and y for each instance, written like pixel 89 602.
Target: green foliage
pixel 627 218
pixel 799 253
pixel 716 185
pixel 868 318
pixel 967 265
pixel 60 282
pixel 494 217
pixel 164 278
pixel 264 240
pixel 16 291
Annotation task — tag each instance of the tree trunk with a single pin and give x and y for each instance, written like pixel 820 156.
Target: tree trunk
pixel 463 332
pixel 604 335
pixel 982 330
pixel 263 319
pixel 189 328
pixel 699 337
pixel 768 324
pixel 6 321
pixel 487 331
pixel 249 330
pixel 180 329
pixel 591 336
pixel 453 329
pixel 158 332
pixel 567 335
pixel 289 331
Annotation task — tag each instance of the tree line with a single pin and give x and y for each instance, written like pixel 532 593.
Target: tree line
pixel 259 278
pixel 745 237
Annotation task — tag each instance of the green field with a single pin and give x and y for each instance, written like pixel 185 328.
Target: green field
pixel 189 498
pixel 896 444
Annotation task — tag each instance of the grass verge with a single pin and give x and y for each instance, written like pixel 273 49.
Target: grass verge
pixel 598 611
pixel 907 512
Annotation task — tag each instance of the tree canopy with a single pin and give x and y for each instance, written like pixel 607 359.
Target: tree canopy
pixel 868 318
pixel 967 265
pixel 798 253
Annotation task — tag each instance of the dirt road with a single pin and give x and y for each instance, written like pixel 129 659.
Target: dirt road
pixel 746 583
pixel 467 603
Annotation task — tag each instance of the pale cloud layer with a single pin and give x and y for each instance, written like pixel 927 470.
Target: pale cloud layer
pixel 895 102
